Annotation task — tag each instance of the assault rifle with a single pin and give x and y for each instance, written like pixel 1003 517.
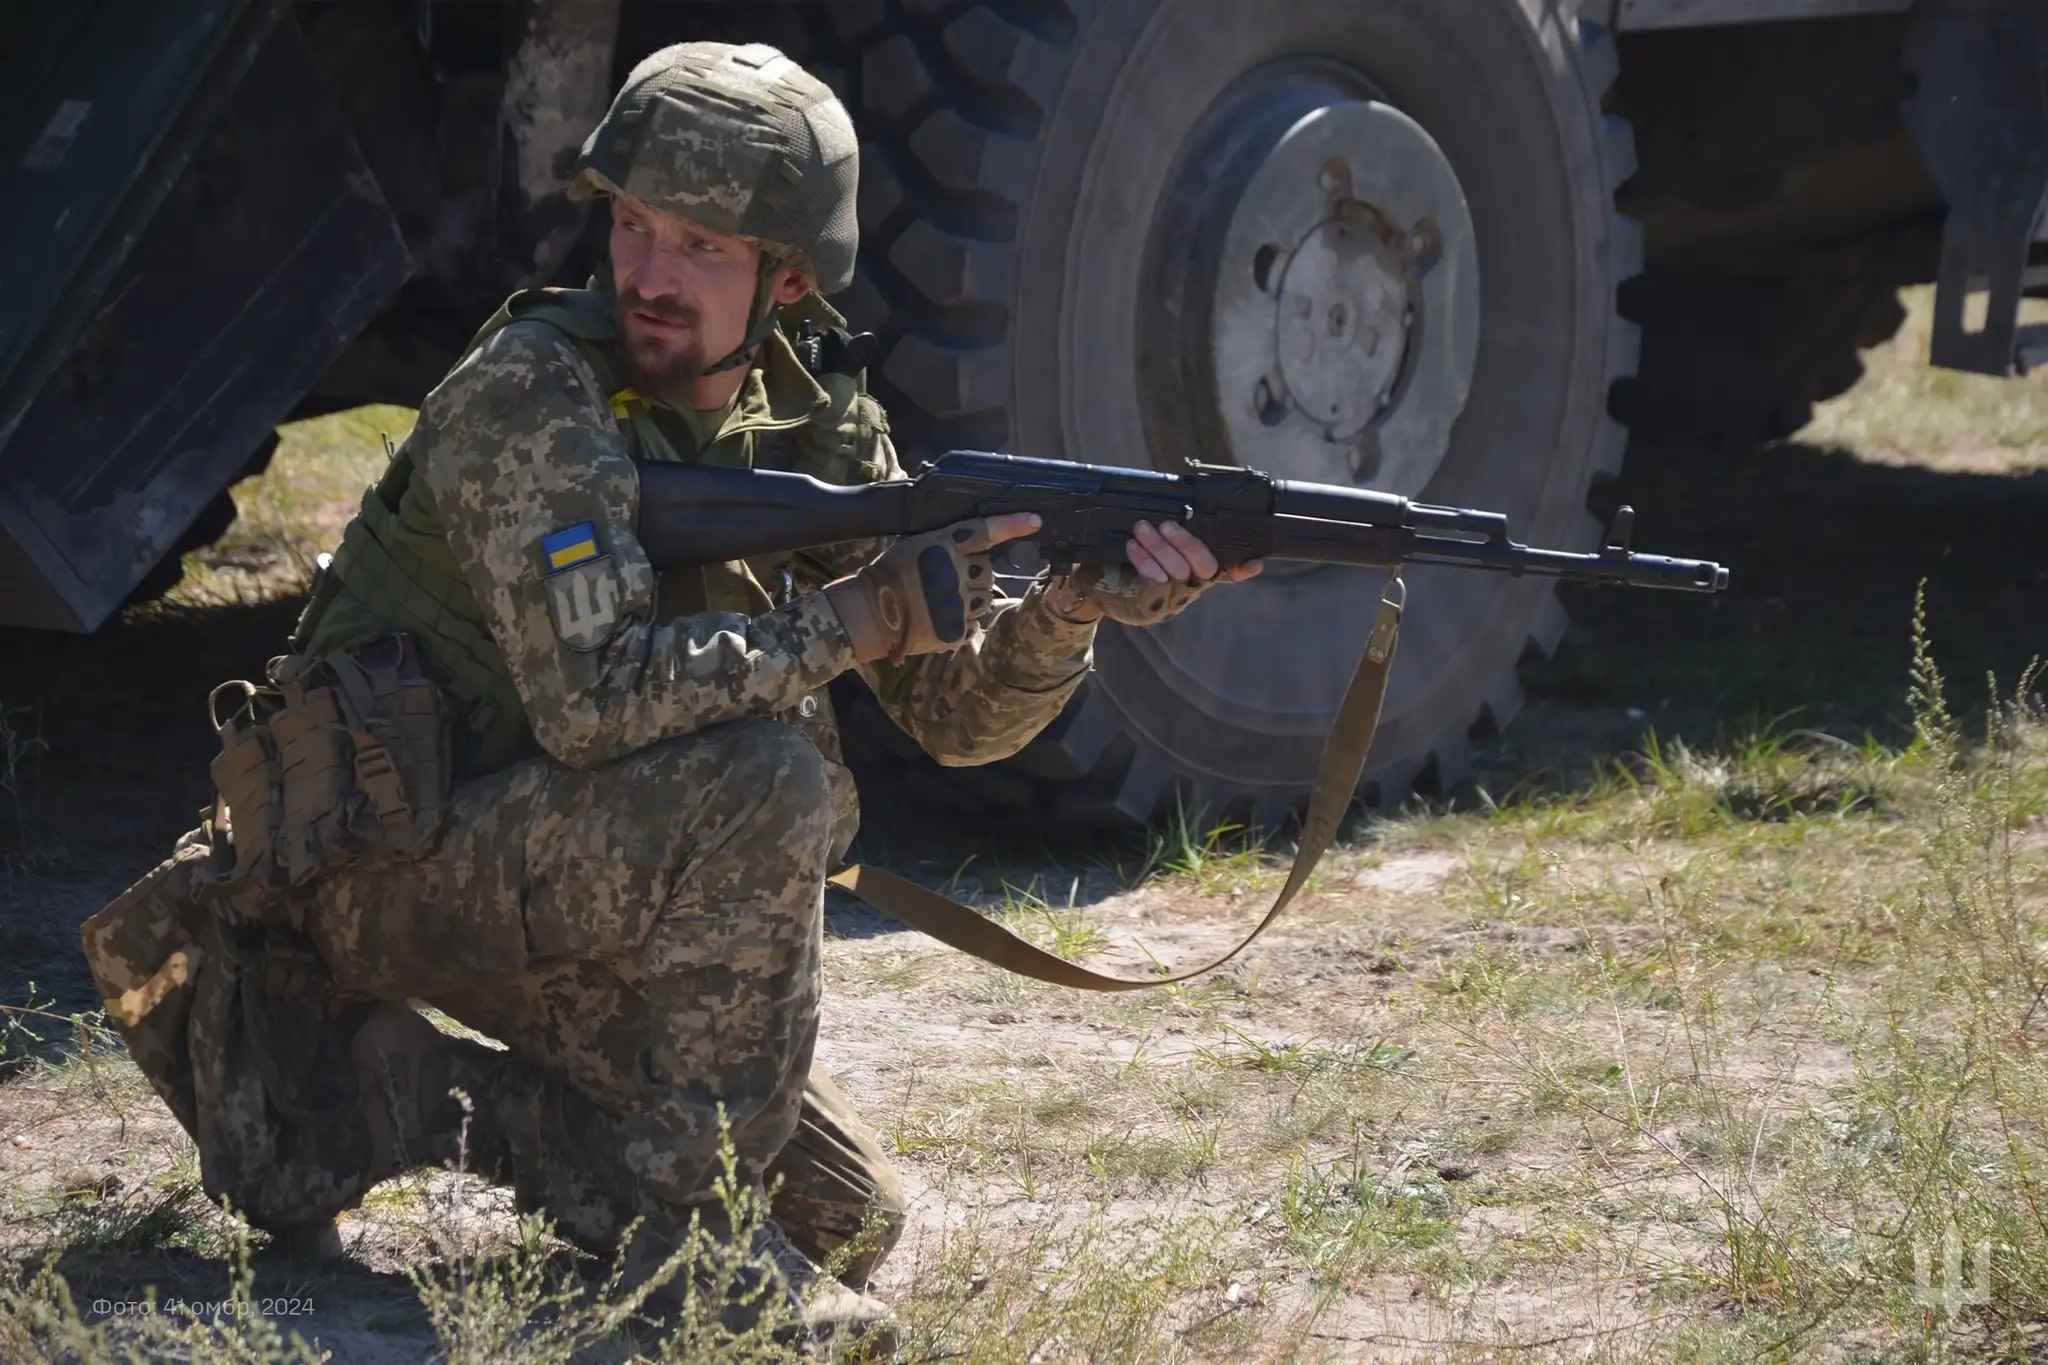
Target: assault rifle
pixel 691 515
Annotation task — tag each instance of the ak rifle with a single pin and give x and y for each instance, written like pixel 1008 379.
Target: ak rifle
pixel 693 515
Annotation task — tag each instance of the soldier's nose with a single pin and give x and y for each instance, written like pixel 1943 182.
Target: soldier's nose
pixel 661 275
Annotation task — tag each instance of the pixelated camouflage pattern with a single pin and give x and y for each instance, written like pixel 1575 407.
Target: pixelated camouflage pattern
pixel 628 954
pixel 519 442
pixel 143 949
pixel 649 930
pixel 171 972
pixel 741 140
pixel 652 928
pixel 635 909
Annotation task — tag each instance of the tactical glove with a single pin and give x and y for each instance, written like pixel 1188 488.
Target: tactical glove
pixel 920 596
pixel 1119 592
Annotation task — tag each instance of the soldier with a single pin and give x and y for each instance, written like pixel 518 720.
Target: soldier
pixel 624 884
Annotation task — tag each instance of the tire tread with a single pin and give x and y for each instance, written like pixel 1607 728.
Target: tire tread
pixel 950 110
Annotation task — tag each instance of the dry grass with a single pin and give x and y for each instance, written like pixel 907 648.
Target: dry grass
pixel 1905 412
pixel 1665 1071
pixel 1678 1075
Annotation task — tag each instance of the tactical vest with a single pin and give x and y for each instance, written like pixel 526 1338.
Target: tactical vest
pixel 394 569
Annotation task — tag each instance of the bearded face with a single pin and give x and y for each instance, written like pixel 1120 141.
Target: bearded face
pixel 685 294
pixel 662 343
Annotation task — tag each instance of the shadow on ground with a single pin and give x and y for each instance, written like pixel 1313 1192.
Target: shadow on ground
pixel 1825 552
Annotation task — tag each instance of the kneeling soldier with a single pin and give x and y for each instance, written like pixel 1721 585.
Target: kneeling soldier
pixel 582 806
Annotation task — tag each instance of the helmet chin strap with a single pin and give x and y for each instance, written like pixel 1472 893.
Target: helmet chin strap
pixel 761 319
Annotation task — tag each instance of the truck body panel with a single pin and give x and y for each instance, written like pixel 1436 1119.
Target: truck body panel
pixel 152 353
pixel 1628 16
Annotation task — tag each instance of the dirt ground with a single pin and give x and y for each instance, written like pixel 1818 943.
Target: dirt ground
pixel 1518 1080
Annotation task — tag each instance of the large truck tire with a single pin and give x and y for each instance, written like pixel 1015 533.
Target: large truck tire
pixel 1044 189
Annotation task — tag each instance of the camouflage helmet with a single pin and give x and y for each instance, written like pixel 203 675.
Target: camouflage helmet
pixel 739 140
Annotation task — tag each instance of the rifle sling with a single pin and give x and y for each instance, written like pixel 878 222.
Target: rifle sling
pixel 1337 773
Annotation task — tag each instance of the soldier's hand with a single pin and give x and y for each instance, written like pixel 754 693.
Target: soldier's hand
pixel 924 593
pixel 1168 567
pixel 1170 553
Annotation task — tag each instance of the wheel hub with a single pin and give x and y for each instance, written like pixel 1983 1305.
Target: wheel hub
pixel 1309 307
pixel 1340 329
pixel 1342 301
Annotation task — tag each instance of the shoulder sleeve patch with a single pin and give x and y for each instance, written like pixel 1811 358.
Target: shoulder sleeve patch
pixel 568 547
pixel 584 602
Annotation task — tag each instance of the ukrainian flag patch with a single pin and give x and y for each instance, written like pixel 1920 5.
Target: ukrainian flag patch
pixel 570 546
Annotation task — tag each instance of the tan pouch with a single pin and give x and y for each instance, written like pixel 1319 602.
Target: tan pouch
pixel 400 735
pixel 248 781
pixel 339 758
pixel 317 772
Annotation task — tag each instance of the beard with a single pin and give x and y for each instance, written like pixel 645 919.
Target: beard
pixel 661 366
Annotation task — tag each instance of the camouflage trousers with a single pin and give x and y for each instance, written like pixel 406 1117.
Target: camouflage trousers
pixel 644 938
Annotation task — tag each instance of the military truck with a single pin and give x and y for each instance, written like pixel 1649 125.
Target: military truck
pixel 1442 247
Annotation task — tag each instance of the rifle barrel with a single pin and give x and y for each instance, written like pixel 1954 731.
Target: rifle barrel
pixel 1609 566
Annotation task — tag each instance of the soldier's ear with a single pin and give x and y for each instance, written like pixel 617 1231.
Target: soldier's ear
pixel 790 285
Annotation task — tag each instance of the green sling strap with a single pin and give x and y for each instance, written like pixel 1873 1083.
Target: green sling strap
pixel 1337 772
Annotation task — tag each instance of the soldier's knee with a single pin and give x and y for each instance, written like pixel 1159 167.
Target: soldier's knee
pixel 756 757
pixel 762 782
pixel 780 766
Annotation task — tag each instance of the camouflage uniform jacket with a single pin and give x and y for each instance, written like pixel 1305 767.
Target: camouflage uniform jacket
pixel 503 538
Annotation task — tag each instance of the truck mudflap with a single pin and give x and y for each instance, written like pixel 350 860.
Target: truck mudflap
pixel 192 237
pixel 1979 112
